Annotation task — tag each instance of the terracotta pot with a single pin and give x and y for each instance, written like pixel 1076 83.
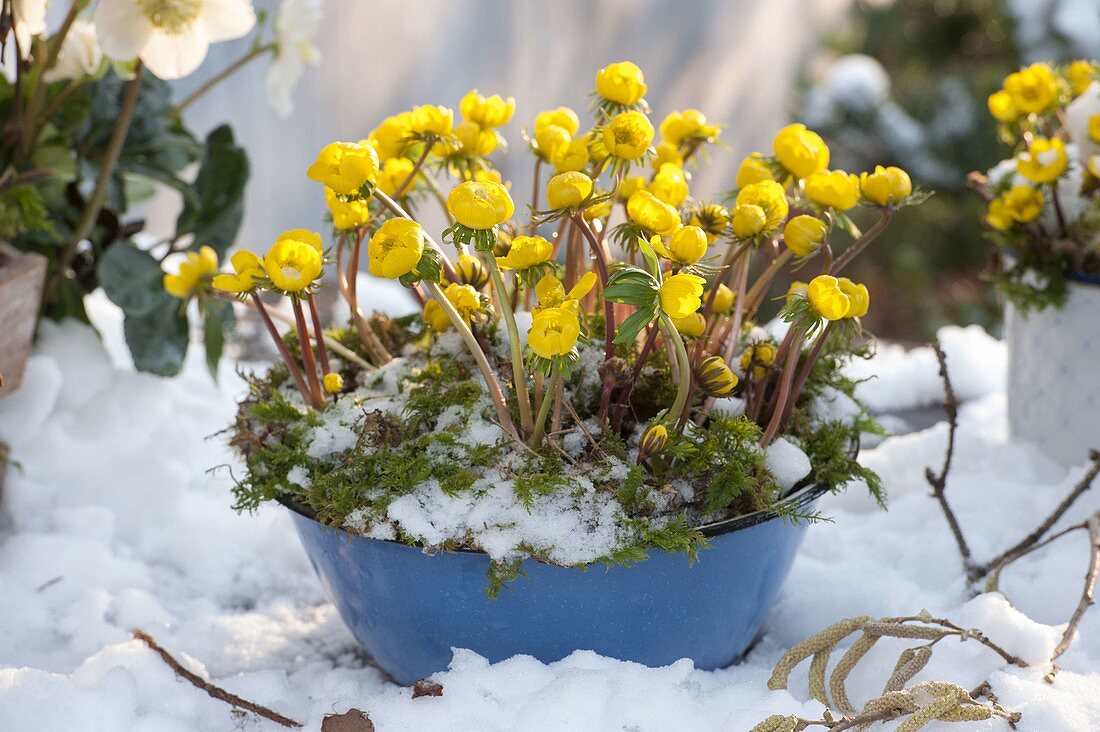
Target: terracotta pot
pixel 22 276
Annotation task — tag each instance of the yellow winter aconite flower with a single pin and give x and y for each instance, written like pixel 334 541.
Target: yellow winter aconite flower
pixel 305 236
pixel 887 186
pixel 1044 161
pixel 692 326
pixel 393 175
pixel 551 141
pixel 826 297
pixel 195 273
pixel 622 83
pixel 345 167
pixel 554 331
pixel 474 139
pixel 681 294
pixel 670 185
pixel 464 299
pixel 1080 74
pixel 666 154
pixel 796 289
pixel 480 204
pixel 749 220
pixel 687 246
pixel 292 265
pixel 833 189
pixel 714 377
pixel 723 300
pixel 430 120
pixel 472 270
pixel 1002 106
pixel 769 196
pixel 859 300
pixel 800 150
pixel 247 269
pixel 753 170
pixel 333 383
pixel 390 137
pixel 488 112
pixel 434 316
pixel 630 186
pixel 570 157
pixel 527 252
pixel 568 190
pixel 649 212
pixel 396 248
pixel 760 357
pixel 628 135
pixel 1094 128
pixel 686 125
pixel 1018 204
pixel 712 218
pixel 563 117
pixel 1033 89
pixel 551 292
pixel 347 215
pixel 803 235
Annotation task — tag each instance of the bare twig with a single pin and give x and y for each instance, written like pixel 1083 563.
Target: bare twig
pixel 939 482
pixel 214 691
pixel 1087 595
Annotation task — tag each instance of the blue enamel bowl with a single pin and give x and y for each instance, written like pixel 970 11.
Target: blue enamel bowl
pixel 408 609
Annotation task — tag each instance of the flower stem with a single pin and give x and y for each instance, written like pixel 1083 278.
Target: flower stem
pixel 784 389
pixel 608 308
pixel 412 173
pixel 759 289
pixel 683 388
pixel 322 353
pixel 519 376
pixel 853 251
pixel 306 346
pixel 491 381
pixel 544 409
pixel 38 94
pixel 346 282
pixel 280 344
pixel 532 227
pixel 220 77
pixel 396 209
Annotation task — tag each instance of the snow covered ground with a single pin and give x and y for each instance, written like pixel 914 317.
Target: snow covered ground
pixel 112 522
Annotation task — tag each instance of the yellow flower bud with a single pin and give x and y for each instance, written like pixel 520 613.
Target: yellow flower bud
pixel 796 289
pixel 833 189
pixel 434 316
pixel 292 264
pixel 1044 161
pixel 628 135
pixel 803 235
pixel 886 186
pixel 396 248
pixel 1002 107
pixel 687 246
pixel 487 112
pixel 770 197
pixel 563 117
pixel 666 154
pixel 474 139
pixel 527 252
pixel 998 215
pixel 670 185
pixel 551 141
pixel 573 156
pixel 826 297
pixel 631 185
pixel 554 331
pixel 1080 75
pixel 692 326
pixel 756 359
pixel 801 151
pixel 473 271
pixel 622 83
pixel 247 269
pixel 649 212
pixel 1033 89
pixel 859 300
pixel 430 120
pixel 195 274
pixel 652 441
pixel 714 377
pixel 393 175
pixel 391 137
pixel 689 124
pixel 333 383
pixel 681 294
pixel 748 220
pixel 345 167
pixel 349 215
pixel 1023 203
pixel 723 300
pixel 464 298
pixel 480 205
pixel 566 191
pixel 753 170
pixel 712 218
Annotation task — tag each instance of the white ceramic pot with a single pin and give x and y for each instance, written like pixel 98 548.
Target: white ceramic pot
pixel 1054 375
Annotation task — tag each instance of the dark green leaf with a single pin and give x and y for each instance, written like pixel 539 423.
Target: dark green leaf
pixel 132 278
pixel 219 187
pixel 158 338
pixel 217 321
pixel 633 325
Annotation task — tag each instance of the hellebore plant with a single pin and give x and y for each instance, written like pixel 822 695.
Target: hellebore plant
pixel 1044 211
pixel 631 324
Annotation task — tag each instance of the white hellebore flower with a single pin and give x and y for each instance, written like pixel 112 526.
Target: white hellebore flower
pixel 296 26
pixel 170 36
pixel 30 21
pixel 79 54
pixel 1078 113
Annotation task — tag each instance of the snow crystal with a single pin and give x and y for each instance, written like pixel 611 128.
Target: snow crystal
pixel 298 476
pixel 335 434
pixel 786 462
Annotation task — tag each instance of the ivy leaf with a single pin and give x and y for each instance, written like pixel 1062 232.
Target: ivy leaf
pixel 131 278
pixel 219 188
pixel 158 338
